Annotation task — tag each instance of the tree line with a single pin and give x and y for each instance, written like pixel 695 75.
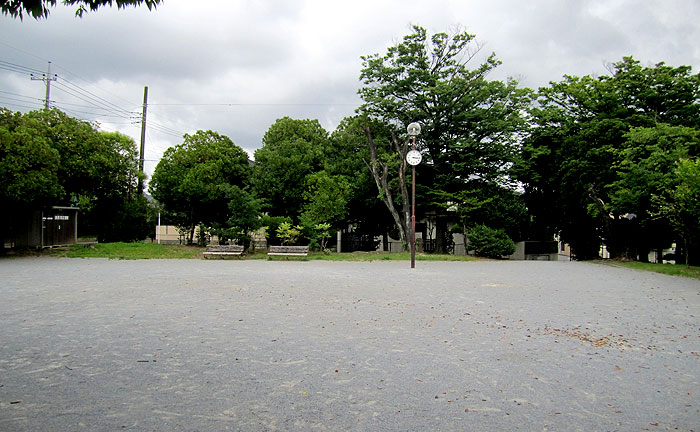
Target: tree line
pixel 48 158
pixel 595 160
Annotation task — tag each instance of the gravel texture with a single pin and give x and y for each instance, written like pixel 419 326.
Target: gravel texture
pixel 195 345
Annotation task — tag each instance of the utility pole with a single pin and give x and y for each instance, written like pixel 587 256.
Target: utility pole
pixel 47 78
pixel 142 156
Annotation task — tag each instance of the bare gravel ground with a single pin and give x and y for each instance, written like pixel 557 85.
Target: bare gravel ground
pixel 194 345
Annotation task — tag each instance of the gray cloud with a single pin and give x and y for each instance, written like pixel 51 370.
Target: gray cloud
pixel 237 66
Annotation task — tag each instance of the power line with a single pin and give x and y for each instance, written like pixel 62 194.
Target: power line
pixel 12 67
pixel 32 98
pixel 101 89
pixel 92 103
pixel 24 106
pixel 164 129
pixel 93 99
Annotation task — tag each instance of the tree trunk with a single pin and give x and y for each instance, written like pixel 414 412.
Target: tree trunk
pixel 441 244
pixel 406 205
pixel 381 180
pixel 190 241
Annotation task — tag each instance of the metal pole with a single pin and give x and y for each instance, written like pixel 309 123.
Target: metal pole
pixel 413 212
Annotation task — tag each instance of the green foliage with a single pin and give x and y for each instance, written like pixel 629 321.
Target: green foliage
pixel 323 232
pixel 681 206
pixel 600 148
pixel 120 220
pixel 28 163
pixel 271 225
pixel 348 157
pixel 292 150
pixel 326 198
pixel 470 125
pixel 649 157
pixel 48 158
pixel 489 242
pixel 288 233
pixel 245 219
pixel 38 9
pixel 194 180
pixel 486 204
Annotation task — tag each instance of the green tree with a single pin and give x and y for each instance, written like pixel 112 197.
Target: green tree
pixel 681 207
pixel 119 212
pixel 48 158
pixel 29 164
pixel 194 179
pixel 470 125
pixel 647 168
pixel 245 219
pixel 586 145
pixel 271 225
pixel 487 204
pixel 348 157
pixel 288 233
pixel 40 8
pixel 292 149
pixel 326 198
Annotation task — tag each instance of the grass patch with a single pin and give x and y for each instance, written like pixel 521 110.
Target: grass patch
pixel 362 256
pixel 132 251
pixel 385 256
pixel 129 251
pixel 669 269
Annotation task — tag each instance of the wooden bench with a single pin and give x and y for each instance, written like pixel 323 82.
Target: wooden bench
pixel 300 251
pixel 223 250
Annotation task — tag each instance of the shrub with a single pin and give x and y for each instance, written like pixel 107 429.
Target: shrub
pixel 271 225
pixel 489 242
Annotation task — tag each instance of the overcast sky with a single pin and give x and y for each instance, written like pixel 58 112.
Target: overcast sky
pixel 235 66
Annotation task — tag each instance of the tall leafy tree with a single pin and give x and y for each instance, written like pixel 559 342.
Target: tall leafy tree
pixel 292 150
pixel 244 220
pixel 470 124
pixel 48 158
pixel 194 179
pixel 347 158
pixel 29 164
pixel 326 199
pixel 585 165
pixel 681 207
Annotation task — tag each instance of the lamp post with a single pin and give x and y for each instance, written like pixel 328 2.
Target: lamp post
pixel 413 158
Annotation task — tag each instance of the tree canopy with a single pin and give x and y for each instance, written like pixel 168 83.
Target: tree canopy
pixel 291 150
pixel 471 125
pixel 40 8
pixel 195 180
pixel 48 158
pixel 601 147
pixel 609 160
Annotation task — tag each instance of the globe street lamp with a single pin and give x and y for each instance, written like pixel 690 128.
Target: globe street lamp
pixel 413 158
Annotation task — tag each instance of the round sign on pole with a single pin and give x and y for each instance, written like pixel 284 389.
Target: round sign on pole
pixel 413 157
pixel 413 129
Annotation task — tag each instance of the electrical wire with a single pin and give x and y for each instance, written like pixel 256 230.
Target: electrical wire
pixel 94 102
pixel 12 67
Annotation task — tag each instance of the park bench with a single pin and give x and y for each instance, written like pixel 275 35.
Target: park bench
pixel 300 251
pixel 223 250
